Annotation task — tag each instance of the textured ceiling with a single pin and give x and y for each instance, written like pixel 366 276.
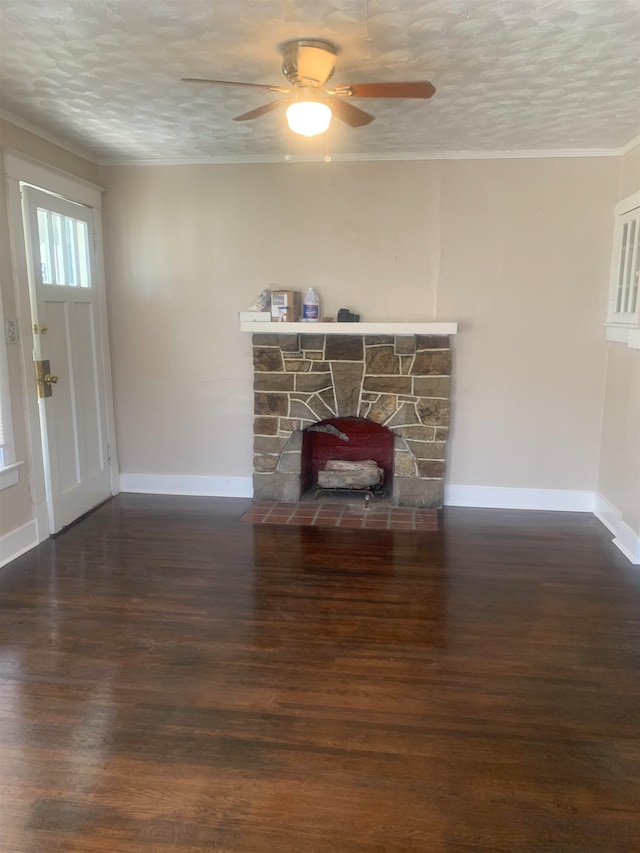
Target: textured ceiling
pixel 510 75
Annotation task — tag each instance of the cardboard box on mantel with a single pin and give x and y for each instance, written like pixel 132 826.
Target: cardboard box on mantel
pixel 286 306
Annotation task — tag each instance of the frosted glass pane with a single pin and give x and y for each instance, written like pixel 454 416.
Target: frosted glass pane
pixel 70 252
pixel 46 258
pixel 626 298
pixel 83 253
pixel 64 249
pixel 621 267
pixel 635 272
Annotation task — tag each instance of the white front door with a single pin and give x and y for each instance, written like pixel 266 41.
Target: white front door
pixel 65 309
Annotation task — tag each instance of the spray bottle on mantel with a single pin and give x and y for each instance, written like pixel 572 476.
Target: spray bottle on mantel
pixel 311 307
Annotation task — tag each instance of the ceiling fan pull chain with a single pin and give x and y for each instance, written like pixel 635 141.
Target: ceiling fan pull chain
pixel 327 157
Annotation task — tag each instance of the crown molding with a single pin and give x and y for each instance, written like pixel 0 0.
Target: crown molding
pixel 48 137
pixel 631 144
pixel 367 157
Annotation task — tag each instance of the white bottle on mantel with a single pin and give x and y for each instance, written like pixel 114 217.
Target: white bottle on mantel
pixel 311 307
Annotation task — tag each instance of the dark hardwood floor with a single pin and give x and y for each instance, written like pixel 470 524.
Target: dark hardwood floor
pixel 172 679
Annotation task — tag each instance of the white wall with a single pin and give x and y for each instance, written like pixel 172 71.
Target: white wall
pixel 619 474
pixel 187 248
pixel 525 260
pixel 516 250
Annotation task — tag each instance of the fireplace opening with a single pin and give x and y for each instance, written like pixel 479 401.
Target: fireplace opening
pixel 334 443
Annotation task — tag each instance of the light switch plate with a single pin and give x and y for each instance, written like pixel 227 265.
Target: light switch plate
pixel 11 331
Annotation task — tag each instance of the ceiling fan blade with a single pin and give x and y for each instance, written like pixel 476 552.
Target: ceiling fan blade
pixel 260 111
pixel 348 113
pixel 387 90
pixel 236 83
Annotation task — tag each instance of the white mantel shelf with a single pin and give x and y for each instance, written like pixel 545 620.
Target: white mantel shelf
pixel 349 328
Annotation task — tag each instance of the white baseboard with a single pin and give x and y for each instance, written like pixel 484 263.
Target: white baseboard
pixel 625 539
pixel 179 484
pixel 18 542
pixel 496 497
pixel 473 496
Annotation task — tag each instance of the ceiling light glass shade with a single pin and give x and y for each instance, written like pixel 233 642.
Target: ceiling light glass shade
pixel 308 117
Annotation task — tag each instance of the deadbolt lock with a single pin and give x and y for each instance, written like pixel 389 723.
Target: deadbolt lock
pixel 44 378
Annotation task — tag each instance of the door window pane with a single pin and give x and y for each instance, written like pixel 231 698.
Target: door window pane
pixel 64 249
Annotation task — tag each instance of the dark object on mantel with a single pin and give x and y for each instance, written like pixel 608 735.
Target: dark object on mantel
pixel 346 316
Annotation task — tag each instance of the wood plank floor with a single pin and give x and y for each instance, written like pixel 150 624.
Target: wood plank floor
pixel 172 679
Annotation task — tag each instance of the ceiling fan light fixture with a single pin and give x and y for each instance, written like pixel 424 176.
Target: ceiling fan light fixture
pixel 309 118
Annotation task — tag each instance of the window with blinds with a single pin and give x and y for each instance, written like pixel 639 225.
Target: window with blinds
pixel 624 298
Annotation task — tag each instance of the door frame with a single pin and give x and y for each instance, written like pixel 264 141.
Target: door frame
pixel 21 169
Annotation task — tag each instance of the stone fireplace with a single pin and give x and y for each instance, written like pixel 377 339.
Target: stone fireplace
pixel 401 382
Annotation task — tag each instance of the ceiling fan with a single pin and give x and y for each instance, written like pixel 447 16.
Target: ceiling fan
pixel 308 64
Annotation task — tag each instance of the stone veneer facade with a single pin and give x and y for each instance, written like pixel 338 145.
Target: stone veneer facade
pixel 401 382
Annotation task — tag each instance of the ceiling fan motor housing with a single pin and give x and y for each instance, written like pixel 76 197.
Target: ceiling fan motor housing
pixel 308 62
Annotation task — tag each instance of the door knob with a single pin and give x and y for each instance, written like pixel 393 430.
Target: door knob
pixel 44 379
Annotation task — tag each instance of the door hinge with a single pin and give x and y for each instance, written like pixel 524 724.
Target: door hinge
pixel 108 453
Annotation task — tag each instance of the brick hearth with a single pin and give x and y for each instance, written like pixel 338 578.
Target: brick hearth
pixel 335 514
